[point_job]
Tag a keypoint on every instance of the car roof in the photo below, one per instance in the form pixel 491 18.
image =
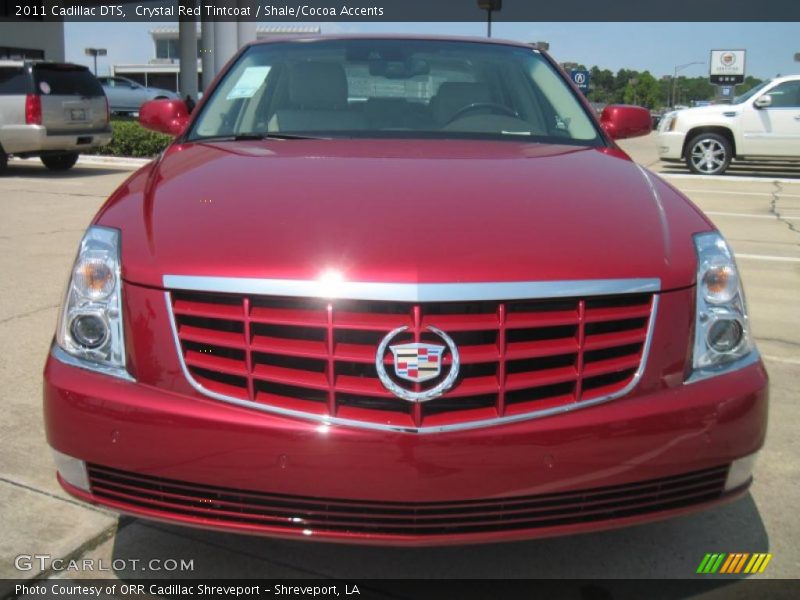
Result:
pixel 37 62
pixel 390 36
pixel 783 78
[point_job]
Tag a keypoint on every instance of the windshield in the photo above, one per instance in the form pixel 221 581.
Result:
pixel 395 88
pixel 750 93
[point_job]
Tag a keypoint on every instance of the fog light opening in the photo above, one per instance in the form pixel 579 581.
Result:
pixel 740 472
pixel 72 470
pixel 89 330
pixel 725 335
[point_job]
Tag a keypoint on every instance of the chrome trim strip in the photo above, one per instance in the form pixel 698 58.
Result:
pixel 741 363
pixel 412 292
pixel 327 421
pixel 62 356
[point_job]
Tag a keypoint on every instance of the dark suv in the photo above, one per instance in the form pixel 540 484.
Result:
pixel 50 110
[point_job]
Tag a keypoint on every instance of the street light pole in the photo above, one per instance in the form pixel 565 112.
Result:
pixel 675 77
pixel 94 53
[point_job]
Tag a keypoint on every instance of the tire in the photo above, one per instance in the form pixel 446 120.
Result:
pixel 708 154
pixel 60 162
pixel 3 161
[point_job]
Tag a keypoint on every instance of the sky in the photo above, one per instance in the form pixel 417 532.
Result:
pixel 657 47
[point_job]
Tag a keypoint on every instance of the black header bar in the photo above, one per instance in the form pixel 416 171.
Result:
pixel 300 11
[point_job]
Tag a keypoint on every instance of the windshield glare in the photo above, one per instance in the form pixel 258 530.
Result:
pixel 395 88
pixel 750 93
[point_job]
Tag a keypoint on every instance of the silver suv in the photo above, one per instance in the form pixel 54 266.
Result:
pixel 50 110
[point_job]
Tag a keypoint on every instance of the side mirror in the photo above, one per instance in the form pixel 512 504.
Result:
pixel 763 101
pixel 622 121
pixel 164 116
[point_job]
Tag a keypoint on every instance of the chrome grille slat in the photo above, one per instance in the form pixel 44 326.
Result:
pixel 533 357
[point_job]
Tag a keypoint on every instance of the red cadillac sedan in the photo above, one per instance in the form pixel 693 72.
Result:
pixel 402 291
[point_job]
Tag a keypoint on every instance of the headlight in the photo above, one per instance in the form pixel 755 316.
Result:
pixel 90 326
pixel 722 331
pixel 668 121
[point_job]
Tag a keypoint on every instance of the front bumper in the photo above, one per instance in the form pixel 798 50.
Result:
pixel 35 139
pixel 670 145
pixel 204 463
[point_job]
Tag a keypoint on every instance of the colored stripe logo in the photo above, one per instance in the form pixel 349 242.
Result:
pixel 731 564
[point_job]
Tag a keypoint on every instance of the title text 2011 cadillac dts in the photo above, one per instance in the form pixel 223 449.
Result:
pixel 402 291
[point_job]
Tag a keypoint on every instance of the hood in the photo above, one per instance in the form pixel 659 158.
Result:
pixel 715 110
pixel 406 211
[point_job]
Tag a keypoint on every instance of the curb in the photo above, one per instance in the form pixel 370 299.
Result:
pixel 90 160
pixel 116 161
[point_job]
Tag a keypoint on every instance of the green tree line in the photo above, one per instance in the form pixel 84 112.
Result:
pixel 629 86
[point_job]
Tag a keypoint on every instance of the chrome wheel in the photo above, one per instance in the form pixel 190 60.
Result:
pixel 708 155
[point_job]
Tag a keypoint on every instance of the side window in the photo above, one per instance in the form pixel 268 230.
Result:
pixel 786 95
pixel 14 81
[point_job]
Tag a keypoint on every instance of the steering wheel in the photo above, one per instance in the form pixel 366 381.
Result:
pixel 493 106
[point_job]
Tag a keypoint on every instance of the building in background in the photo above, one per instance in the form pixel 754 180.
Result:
pixel 163 70
pixel 31 38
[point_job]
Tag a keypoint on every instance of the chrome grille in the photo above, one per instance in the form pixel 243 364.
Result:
pixel 317 358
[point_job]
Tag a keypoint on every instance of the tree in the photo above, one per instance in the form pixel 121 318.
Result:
pixel 644 92
pixel 621 80
pixel 601 82
pixel 606 87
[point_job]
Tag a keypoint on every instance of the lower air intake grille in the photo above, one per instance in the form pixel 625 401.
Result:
pixel 178 499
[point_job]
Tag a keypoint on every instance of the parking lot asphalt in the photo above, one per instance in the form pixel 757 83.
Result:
pixel 44 216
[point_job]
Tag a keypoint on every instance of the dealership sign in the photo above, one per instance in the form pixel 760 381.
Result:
pixel 581 79
pixel 727 67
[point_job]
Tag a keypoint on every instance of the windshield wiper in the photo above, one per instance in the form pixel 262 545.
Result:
pixel 244 137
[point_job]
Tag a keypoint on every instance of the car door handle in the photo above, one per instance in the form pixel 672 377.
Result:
pixel 797 118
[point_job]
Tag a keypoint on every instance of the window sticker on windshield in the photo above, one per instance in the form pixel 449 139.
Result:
pixel 44 87
pixel 249 82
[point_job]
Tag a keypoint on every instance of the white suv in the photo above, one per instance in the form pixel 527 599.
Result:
pixel 764 123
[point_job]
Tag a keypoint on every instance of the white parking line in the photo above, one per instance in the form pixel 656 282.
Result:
pixel 714 213
pixel 45 182
pixel 767 257
pixel 728 178
pixel 788 361
pixel 730 193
